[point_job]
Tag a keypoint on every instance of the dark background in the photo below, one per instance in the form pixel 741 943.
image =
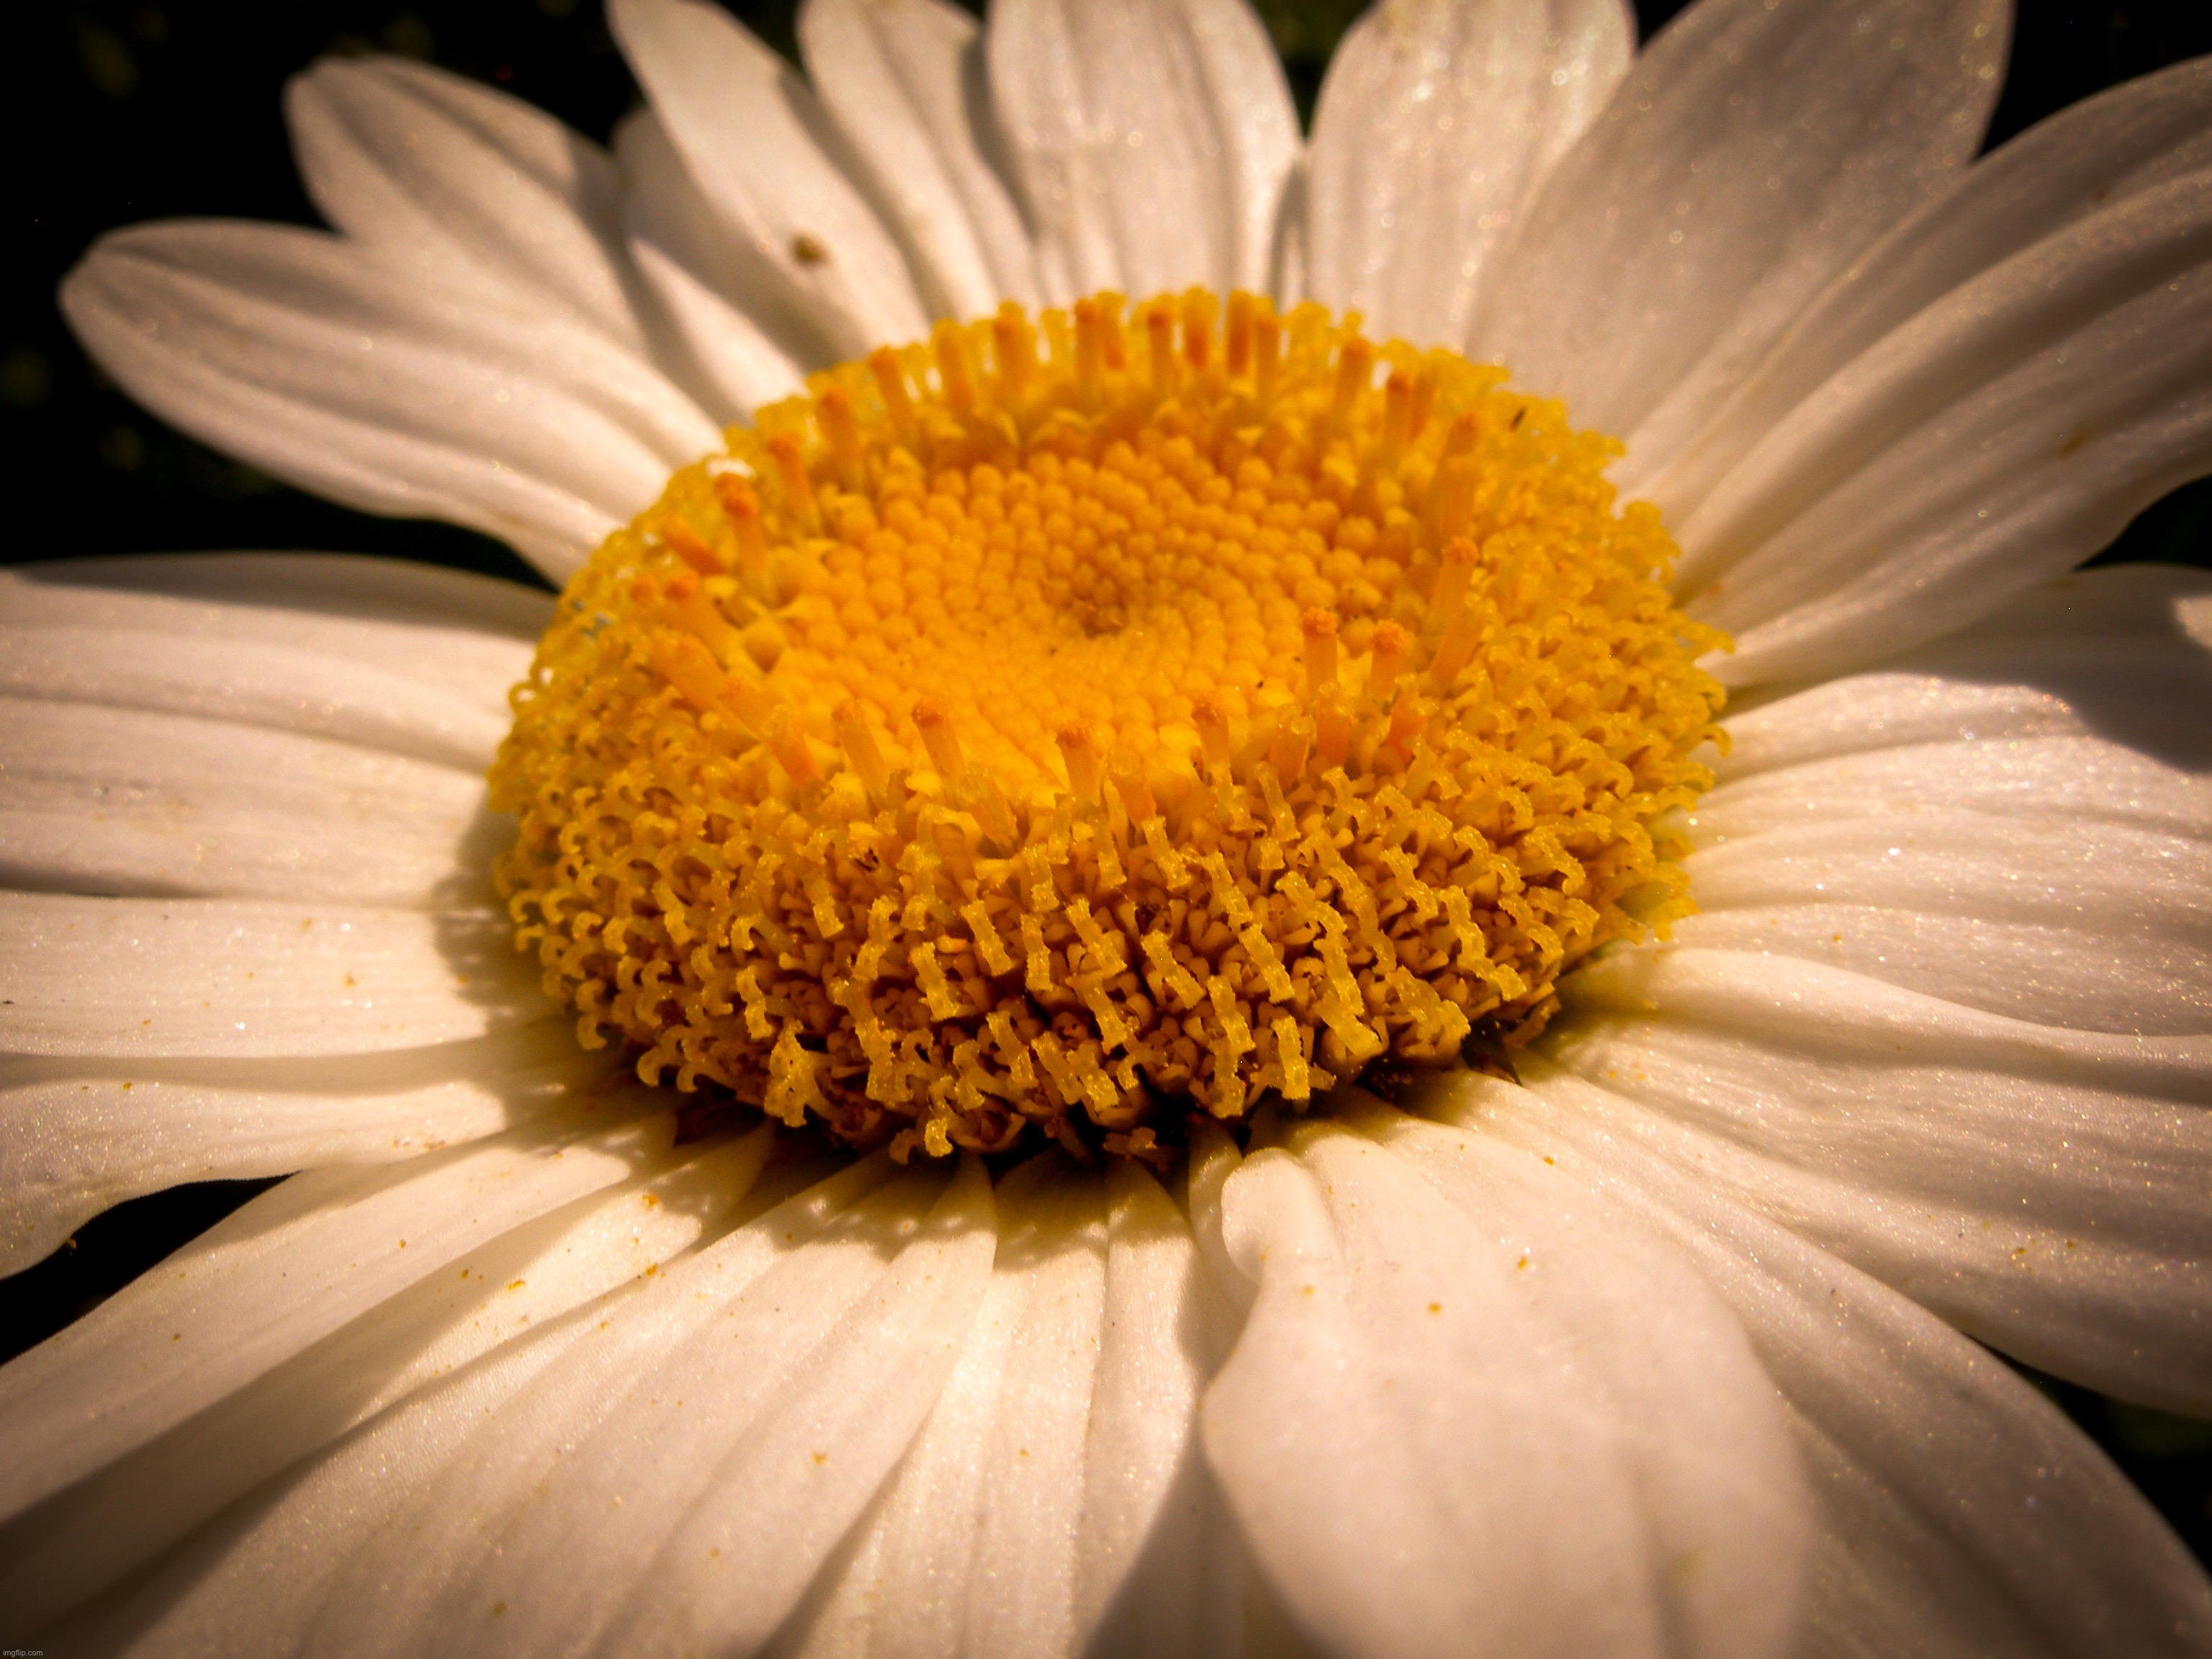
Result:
pixel 117 111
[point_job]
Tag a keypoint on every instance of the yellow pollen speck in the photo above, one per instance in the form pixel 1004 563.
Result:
pixel 1075 722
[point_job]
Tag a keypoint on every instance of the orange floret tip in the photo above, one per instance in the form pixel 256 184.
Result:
pixel 834 410
pixel 1198 329
pixel 1267 353
pixel 850 720
pixel 1078 748
pixel 1398 415
pixel 1159 334
pixel 789 458
pixel 1319 629
pixel 1236 344
pixel 1461 556
pixel 741 506
pixel 1208 713
pixel 689 545
pixel 1392 646
pixel 934 721
pixel 890 386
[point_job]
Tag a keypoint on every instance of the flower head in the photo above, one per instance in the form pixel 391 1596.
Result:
pixel 1034 673
pixel 1028 731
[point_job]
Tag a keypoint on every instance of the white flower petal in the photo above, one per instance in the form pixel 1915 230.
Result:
pixel 2063 921
pixel 282 1273
pixel 700 274
pixel 334 367
pixel 2085 781
pixel 79 1135
pixel 1962 1514
pixel 1288 267
pixel 1640 1323
pixel 1970 831
pixel 1530 1410
pixel 1158 1563
pixel 253 1581
pixel 750 134
pixel 1056 1487
pixel 971 1549
pixel 742 1458
pixel 435 1536
pixel 211 978
pixel 2042 1189
pixel 2100 979
pixel 2002 436
pixel 2123 654
pixel 2080 161
pixel 81 1541
pixel 468 637
pixel 1753 151
pixel 2022 691
pixel 742 370
pixel 1213 1158
pixel 248 684
pixel 790 1490
pixel 902 79
pixel 1437 123
pixel 116 801
pixel 1151 140
pixel 492 190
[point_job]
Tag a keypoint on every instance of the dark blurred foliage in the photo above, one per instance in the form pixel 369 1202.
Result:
pixel 118 111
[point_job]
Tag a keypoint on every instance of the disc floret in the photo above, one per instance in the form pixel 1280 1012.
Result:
pixel 1074 723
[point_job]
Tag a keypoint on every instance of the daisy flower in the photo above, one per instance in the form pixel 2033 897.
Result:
pixel 1365 894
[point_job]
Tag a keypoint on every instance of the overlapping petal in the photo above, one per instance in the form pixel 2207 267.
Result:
pixel 510 1280
pixel 479 187
pixel 108 800
pixel 1752 151
pixel 1054 1501
pixel 756 145
pixel 252 1580
pixel 213 979
pixel 283 1271
pixel 1533 1415
pixel 2041 1186
pixel 78 1135
pixel 700 275
pixel 1960 1513
pixel 267 726
pixel 331 365
pixel 468 635
pixel 743 1414
pixel 903 81
pixel 2002 435
pixel 1945 1009
pixel 2086 158
pixel 1437 126
pixel 1150 142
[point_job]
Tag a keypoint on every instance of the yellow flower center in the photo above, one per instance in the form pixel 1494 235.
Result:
pixel 1069 725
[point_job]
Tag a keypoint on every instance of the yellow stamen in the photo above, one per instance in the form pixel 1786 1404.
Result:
pixel 689 545
pixel 1044 733
pixel 742 506
pixel 1386 660
pixel 1319 628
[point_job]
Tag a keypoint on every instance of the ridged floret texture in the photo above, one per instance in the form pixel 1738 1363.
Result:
pixel 1077 722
